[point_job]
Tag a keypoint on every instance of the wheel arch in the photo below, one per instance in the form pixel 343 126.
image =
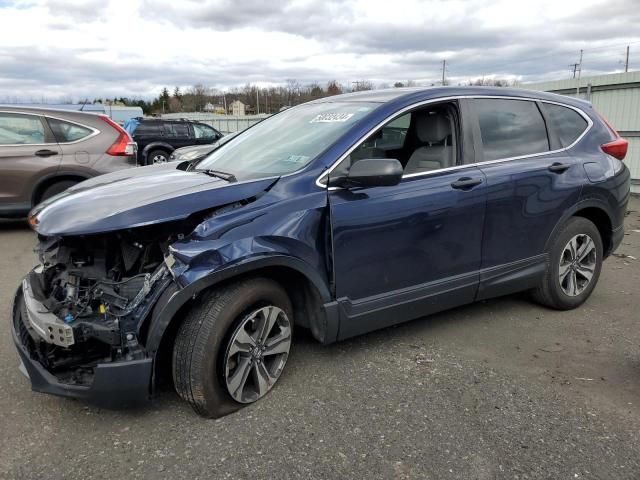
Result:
pixel 602 221
pixel 595 212
pixel 307 291
pixel 47 181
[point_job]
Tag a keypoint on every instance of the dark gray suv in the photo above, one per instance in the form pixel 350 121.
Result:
pixel 43 152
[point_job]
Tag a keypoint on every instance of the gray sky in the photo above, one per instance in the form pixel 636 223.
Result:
pixel 71 49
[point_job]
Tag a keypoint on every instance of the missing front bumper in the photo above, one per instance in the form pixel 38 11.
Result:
pixel 48 327
pixel 114 385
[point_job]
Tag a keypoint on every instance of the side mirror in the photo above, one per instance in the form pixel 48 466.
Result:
pixel 371 172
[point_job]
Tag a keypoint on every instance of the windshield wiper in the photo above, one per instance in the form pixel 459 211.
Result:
pixel 229 177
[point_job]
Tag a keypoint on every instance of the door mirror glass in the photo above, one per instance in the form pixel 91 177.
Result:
pixel 371 172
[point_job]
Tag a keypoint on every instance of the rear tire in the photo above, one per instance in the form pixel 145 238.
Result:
pixel 204 342
pixel 157 156
pixel 55 189
pixel 575 261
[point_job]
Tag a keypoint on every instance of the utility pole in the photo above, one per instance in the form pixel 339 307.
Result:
pixel 257 102
pixel 575 68
pixel 444 69
pixel 579 75
pixel 626 62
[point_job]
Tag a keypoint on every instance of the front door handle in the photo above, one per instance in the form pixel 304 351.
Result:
pixel 466 183
pixel 46 153
pixel 558 167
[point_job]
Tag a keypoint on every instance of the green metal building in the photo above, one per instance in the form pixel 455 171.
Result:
pixel 617 97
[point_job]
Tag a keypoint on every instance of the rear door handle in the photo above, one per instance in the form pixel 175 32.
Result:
pixel 466 183
pixel 46 153
pixel 558 167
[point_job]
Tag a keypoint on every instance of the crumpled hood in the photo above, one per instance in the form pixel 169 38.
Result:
pixel 136 197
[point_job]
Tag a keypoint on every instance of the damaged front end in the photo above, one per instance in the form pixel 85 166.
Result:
pixel 78 316
pixel 82 317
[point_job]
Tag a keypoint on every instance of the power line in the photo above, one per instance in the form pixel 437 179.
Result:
pixel 564 54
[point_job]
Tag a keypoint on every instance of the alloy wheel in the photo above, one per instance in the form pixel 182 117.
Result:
pixel 577 265
pixel 257 353
pixel 159 159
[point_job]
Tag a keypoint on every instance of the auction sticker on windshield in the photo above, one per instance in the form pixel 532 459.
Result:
pixel 331 117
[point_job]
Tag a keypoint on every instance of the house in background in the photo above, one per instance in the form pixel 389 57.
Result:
pixel 214 108
pixel 238 108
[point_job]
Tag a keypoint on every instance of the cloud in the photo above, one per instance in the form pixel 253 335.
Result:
pixel 96 48
pixel 78 10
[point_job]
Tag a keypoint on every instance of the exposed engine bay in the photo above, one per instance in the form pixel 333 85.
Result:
pixel 96 291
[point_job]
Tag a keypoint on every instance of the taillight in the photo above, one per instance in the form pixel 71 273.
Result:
pixel 124 145
pixel 617 148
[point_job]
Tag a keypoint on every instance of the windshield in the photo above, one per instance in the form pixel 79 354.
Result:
pixel 285 142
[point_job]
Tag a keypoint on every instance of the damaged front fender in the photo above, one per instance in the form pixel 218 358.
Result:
pixel 288 235
pixel 176 297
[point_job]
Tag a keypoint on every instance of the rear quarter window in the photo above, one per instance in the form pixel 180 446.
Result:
pixel 510 128
pixel 566 122
pixel 148 129
pixel 66 131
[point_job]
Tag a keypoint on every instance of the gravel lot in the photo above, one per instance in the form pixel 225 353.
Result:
pixel 499 389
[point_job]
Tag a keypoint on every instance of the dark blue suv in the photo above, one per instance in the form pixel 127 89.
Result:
pixel 342 216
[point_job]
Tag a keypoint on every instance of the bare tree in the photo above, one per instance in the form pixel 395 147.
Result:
pixel 293 91
pixel 490 82
pixel 175 105
pixel 360 85
pixel 198 94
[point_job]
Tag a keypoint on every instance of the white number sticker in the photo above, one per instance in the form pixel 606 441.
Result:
pixel 332 117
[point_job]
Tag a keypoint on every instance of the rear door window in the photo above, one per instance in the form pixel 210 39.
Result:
pixel 175 129
pixel 566 122
pixel 66 132
pixel 20 129
pixel 510 128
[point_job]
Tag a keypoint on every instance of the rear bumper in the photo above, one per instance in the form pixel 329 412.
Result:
pixel 114 385
pixel 109 163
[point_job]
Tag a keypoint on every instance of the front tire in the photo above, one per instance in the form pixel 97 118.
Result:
pixel 575 261
pixel 232 346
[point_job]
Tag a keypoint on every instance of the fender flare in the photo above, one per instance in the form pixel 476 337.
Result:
pixel 174 298
pixel 570 212
pixel 158 145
